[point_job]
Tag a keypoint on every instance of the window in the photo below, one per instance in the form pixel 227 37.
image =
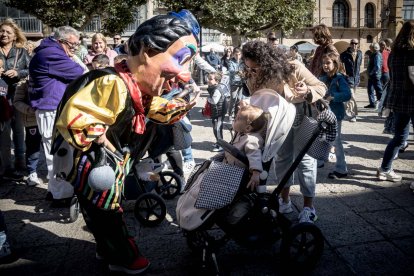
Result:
pixel 340 14
pixel 369 39
pixel 408 10
pixel 369 16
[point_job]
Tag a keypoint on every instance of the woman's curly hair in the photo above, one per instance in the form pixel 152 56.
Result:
pixel 273 62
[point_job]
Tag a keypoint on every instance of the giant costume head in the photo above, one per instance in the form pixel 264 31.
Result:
pixel 160 51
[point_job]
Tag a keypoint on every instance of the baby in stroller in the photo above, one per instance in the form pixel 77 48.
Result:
pixel 217 194
pixel 250 126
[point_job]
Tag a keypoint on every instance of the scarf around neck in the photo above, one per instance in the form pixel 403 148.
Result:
pixel 136 95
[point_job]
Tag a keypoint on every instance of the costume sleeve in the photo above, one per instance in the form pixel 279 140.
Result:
pixel 166 112
pixel 88 113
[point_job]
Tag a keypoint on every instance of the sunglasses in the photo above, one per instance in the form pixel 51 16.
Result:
pixel 272 38
pixel 117 38
pixel 71 45
pixel 354 43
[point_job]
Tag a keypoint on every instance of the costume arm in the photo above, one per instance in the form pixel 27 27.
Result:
pixel 204 65
pixel 166 112
pixel 89 112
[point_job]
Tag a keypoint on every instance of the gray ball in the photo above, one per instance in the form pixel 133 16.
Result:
pixel 101 178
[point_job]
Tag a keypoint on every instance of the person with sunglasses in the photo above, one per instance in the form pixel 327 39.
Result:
pixel 51 69
pixel 272 39
pixel 274 80
pixel 352 59
pixel 118 45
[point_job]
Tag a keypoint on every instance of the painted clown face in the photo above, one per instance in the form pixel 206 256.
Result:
pixel 162 71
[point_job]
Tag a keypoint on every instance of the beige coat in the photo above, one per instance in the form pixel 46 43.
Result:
pixel 21 103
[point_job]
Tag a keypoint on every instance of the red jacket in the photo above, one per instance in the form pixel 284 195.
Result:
pixel 385 55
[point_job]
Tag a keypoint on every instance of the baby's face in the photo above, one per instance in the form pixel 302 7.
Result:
pixel 240 123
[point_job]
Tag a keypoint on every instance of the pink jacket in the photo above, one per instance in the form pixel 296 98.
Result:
pixel 110 53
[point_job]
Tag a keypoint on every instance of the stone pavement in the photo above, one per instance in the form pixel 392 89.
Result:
pixel 368 225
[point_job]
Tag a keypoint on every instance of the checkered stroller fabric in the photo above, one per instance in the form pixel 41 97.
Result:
pixel 322 145
pixel 219 186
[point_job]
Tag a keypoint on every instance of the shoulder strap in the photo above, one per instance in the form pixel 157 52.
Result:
pixel 16 58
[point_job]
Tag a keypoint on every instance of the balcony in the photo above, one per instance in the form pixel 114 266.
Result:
pixel 370 23
pixel 31 26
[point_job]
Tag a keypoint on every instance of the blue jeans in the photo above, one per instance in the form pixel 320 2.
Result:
pixel 187 154
pixel 402 129
pixel 385 77
pixel 374 83
pixel 339 152
pixel 306 171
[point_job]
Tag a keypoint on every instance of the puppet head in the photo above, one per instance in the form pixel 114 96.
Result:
pixel 160 51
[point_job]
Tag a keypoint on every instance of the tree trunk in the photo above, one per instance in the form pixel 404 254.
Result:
pixel 237 40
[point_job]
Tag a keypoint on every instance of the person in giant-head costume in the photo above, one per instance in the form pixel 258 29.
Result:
pixel 102 117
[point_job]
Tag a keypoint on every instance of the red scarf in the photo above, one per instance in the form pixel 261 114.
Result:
pixel 136 95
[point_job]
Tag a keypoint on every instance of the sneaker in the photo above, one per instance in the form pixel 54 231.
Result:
pixel 370 106
pixel 12 175
pixel 308 215
pixel 390 175
pixel 412 186
pixel 336 175
pixel 33 180
pixel 188 166
pixel 138 266
pixel 285 208
pixel 353 119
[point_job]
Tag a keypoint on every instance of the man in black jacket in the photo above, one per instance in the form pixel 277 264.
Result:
pixel 352 58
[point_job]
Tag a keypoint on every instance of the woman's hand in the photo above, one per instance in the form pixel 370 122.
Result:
pixel 11 73
pixel 254 180
pixel 301 89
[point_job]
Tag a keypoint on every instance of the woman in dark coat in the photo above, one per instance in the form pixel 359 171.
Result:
pixel 400 98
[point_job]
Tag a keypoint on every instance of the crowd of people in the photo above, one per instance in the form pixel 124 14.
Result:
pixel 55 100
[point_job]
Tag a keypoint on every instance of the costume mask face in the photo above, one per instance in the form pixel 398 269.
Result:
pixel 163 71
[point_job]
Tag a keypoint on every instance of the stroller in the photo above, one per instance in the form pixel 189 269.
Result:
pixel 150 208
pixel 252 219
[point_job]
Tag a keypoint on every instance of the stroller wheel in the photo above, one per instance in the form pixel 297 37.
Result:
pixel 302 246
pixel 169 185
pixel 74 209
pixel 150 209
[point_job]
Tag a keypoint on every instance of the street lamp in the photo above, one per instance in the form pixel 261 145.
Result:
pixel 387 11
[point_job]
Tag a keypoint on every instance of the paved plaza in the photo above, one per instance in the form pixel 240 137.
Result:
pixel 368 225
